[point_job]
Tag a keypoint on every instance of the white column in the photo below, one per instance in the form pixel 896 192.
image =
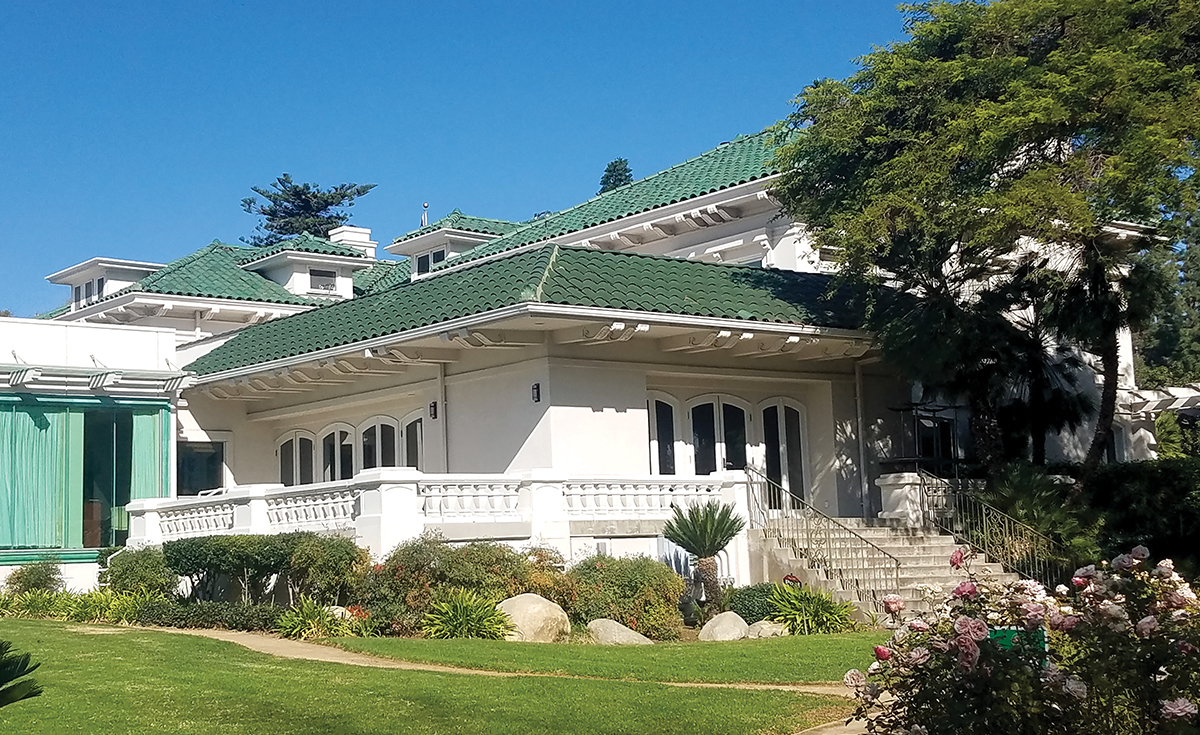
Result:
pixel 390 509
pixel 144 523
pixel 543 501
pixel 735 490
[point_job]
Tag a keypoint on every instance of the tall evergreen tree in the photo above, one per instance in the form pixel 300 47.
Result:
pixel 616 173
pixel 1004 138
pixel 288 209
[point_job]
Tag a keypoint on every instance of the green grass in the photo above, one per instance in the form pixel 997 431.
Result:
pixel 768 661
pixel 138 681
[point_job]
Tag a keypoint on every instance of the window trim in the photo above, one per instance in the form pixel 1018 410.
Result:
pixel 319 451
pixel 402 438
pixel 681 445
pixel 374 421
pixel 312 286
pixel 805 459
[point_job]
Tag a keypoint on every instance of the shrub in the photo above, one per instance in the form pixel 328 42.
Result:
pixel 805 610
pixel 326 568
pixel 140 571
pixel 309 620
pixel 1155 504
pixel 40 575
pixel 490 569
pixel 1122 657
pixel 637 592
pixel 92 607
pixel 466 614
pixel 36 603
pixel 398 592
pixel 206 614
pixel 547 577
pixel 1038 500
pixel 126 607
pixel 752 603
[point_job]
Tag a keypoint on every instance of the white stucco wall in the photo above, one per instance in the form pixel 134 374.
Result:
pixel 494 424
pixel 73 344
pixel 598 419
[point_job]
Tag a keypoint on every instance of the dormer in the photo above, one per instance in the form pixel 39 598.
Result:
pixel 314 267
pixel 452 235
pixel 94 279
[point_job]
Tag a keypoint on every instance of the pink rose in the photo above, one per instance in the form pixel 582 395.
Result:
pixel 920 626
pixel 1175 600
pixel 1075 687
pixel 883 653
pixel 973 628
pixel 1123 563
pixel 1062 623
pixel 1185 647
pixel 854 679
pixel 939 645
pixel 1079 581
pixel 1088 573
pixel 1177 709
pixel 968 651
pixel 918 656
pixel 893 604
pixel 1140 553
pixel 1033 613
pixel 956 559
pixel 1147 626
pixel 1165 569
pixel 965 588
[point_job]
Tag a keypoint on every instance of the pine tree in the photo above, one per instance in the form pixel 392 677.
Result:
pixel 290 209
pixel 616 174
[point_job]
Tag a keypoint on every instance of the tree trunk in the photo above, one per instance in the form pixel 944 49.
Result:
pixel 1110 370
pixel 710 579
pixel 985 430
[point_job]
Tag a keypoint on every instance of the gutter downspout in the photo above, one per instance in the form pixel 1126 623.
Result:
pixel 441 399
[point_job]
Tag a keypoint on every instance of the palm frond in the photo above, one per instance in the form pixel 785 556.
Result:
pixel 703 530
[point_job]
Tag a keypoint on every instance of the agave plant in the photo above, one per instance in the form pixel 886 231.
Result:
pixel 14 667
pixel 703 531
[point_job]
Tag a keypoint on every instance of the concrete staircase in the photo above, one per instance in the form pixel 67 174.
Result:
pixel 924 558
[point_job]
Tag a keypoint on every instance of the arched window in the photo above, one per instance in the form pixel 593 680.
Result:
pixel 295 452
pixel 337 453
pixel 720 433
pixel 783 444
pixel 412 443
pixel 378 443
pixel 662 412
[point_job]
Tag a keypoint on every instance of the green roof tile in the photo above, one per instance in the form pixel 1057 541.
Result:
pixel 456 220
pixel 214 271
pixel 302 243
pixel 551 275
pixel 743 159
pixel 381 276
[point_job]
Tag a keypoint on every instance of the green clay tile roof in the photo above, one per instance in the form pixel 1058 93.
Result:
pixel 302 243
pixel 743 159
pixel 381 276
pixel 550 275
pixel 54 312
pixel 214 271
pixel 456 220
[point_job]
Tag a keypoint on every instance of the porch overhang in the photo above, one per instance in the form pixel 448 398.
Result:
pixel 77 381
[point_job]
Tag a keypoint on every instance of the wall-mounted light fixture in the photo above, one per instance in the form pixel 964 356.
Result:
pixel 537 392
pixel 433 410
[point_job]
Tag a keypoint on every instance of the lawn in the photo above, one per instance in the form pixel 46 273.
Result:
pixel 127 681
pixel 768 661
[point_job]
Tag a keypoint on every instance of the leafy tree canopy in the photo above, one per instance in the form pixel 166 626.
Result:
pixel 976 169
pixel 616 173
pixel 289 209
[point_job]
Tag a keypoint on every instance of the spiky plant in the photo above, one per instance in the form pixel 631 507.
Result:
pixel 14 666
pixel 703 531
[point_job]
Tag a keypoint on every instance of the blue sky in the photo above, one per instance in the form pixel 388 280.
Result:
pixel 134 130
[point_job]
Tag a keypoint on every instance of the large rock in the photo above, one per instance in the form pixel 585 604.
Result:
pixel 537 619
pixel 767 629
pixel 728 626
pixel 611 633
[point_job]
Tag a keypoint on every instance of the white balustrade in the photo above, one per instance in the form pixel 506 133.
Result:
pixel 635 498
pixel 300 510
pixel 196 519
pixel 470 499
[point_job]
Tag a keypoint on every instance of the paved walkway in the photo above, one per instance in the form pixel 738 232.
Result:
pixel 285 648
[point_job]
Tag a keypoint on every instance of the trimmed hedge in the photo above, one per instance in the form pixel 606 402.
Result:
pixel 752 603
pixel 139 570
pixel 638 592
pixel 204 614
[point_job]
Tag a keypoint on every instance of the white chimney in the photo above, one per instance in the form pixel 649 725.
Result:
pixel 358 238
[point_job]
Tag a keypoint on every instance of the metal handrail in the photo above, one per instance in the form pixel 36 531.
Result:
pixel 1015 545
pixel 861 568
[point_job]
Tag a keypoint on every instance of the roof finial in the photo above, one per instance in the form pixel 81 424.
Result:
pixel 425 214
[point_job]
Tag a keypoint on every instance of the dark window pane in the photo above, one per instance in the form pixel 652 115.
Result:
pixel 423 264
pixel 319 280
pixel 306 461
pixel 704 438
pixel 369 444
pixel 99 287
pixel 345 456
pixel 329 457
pixel 412 444
pixel 387 445
pixel 437 256
pixel 795 457
pixel 735 437
pixel 664 423
pixel 287 468
pixel 201 467
pixel 774 458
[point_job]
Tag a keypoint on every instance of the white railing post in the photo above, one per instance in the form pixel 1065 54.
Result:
pixel 145 528
pixel 735 490
pixel 543 500
pixel 249 509
pixel 389 509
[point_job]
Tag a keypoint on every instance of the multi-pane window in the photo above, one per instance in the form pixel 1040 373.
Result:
pixel 321 280
pixel 379 442
pixel 337 455
pixel 426 261
pixel 296 459
pixel 200 466
pixel 718 436
pixel 784 458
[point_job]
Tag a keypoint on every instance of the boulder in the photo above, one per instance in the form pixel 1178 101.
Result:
pixel 611 633
pixel 767 629
pixel 537 619
pixel 728 626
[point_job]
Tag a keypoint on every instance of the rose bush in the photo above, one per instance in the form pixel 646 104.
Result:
pixel 1116 651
